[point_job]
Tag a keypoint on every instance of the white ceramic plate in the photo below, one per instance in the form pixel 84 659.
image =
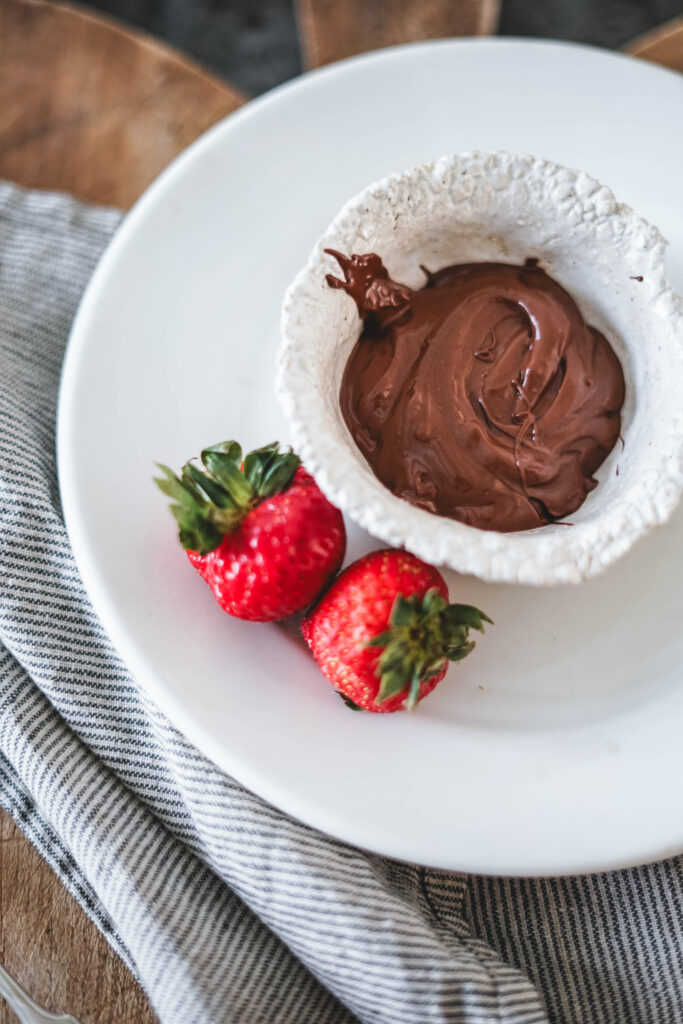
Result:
pixel 556 747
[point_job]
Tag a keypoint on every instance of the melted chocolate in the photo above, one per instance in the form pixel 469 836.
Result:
pixel 483 396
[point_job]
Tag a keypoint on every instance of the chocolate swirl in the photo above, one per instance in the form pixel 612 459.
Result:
pixel 483 396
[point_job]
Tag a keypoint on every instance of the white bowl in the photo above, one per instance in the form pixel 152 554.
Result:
pixel 501 207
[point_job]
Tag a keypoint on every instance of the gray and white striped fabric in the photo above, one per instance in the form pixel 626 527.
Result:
pixel 227 910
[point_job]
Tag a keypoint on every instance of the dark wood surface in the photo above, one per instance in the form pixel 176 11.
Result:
pixel 254 45
pixel 97 110
pixel 330 30
pixel 92 108
pixel 49 945
pixel 661 46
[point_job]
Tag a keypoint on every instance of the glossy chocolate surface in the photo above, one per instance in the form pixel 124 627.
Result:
pixel 483 396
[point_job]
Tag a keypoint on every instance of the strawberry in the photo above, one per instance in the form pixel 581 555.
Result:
pixel 260 531
pixel 384 632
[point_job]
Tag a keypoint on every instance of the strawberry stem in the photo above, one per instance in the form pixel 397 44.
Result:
pixel 424 633
pixel 212 501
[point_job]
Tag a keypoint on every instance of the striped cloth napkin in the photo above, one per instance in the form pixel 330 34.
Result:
pixel 224 908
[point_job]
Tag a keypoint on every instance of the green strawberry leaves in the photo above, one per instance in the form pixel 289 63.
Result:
pixel 230 448
pixel 190 508
pixel 210 502
pixel 222 468
pixel 269 471
pixel 424 633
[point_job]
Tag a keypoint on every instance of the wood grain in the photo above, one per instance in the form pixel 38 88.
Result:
pixel 332 29
pixel 49 945
pixel 91 108
pixel 663 45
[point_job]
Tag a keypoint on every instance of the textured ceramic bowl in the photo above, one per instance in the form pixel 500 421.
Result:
pixel 501 207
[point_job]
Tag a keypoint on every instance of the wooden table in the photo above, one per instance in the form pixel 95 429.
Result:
pixel 89 107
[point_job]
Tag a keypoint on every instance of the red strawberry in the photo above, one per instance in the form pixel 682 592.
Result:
pixel 261 532
pixel 384 632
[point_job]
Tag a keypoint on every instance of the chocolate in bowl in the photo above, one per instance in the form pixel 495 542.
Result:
pixel 483 396
pixel 499 208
